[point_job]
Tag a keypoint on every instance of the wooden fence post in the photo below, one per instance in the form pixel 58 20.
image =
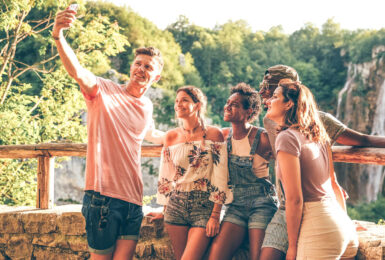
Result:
pixel 45 182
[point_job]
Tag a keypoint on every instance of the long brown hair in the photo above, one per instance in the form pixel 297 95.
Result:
pixel 303 115
pixel 198 97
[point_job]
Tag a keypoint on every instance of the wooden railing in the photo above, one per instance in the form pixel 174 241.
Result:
pixel 46 153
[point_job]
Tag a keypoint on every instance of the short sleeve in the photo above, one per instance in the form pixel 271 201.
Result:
pixel 271 129
pixel 332 125
pixel 166 175
pixel 219 188
pixel 100 84
pixel 287 141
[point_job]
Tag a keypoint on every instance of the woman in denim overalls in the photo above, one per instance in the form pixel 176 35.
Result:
pixel 255 200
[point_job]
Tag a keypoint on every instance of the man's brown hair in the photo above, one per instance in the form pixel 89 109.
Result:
pixel 151 51
pixel 272 77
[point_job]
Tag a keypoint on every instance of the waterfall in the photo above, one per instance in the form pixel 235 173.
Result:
pixel 377 171
pixel 346 87
pixel 379 116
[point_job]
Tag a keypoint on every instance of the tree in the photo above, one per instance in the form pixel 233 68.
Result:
pixel 39 102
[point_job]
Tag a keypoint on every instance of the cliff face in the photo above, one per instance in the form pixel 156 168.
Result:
pixel 361 106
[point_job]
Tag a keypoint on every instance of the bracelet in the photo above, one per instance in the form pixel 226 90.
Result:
pixel 216 218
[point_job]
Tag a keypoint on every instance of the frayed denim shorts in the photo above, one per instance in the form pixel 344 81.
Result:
pixel 191 208
pixel 109 219
pixel 253 206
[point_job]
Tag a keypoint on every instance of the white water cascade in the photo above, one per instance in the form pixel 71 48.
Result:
pixel 347 87
pixel 377 171
pixel 361 106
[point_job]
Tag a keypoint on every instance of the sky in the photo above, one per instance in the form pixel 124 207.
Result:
pixel 262 15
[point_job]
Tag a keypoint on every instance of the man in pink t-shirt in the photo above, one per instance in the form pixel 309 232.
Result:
pixel 119 118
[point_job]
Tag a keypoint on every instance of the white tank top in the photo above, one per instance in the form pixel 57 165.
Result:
pixel 242 148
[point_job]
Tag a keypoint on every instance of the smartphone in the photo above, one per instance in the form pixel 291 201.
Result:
pixel 73 7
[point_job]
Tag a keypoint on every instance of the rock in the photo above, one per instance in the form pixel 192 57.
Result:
pixel 11 223
pixel 163 251
pixel 4 238
pixel 51 240
pixel 39 223
pixel 147 232
pixel 57 254
pixel 361 107
pixel 71 223
pixel 144 250
pixel 19 246
pixel 78 243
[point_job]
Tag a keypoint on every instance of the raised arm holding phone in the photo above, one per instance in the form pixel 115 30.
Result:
pixel 119 117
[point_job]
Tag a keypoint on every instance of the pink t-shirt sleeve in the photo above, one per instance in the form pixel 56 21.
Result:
pixel 288 142
pixel 88 97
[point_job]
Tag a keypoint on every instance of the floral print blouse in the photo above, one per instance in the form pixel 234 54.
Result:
pixel 189 166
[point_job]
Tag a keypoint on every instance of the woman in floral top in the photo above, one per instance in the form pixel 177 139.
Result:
pixel 193 177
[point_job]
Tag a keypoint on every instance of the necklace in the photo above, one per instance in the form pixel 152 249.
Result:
pixel 192 132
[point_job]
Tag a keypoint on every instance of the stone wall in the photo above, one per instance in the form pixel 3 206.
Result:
pixel 29 233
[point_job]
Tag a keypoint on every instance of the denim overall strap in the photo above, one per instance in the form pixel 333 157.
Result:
pixel 254 146
pixel 229 147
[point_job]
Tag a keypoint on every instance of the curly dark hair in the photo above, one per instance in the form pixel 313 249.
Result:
pixel 250 99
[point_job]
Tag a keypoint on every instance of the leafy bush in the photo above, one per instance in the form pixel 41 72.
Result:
pixel 374 211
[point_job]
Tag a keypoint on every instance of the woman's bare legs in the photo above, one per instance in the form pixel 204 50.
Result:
pixel 178 236
pixel 188 243
pixel 197 243
pixel 227 242
pixel 255 241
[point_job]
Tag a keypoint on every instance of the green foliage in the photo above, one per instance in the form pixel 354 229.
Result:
pixel 374 211
pixel 361 43
pixel 148 199
pixel 39 102
pixel 17 182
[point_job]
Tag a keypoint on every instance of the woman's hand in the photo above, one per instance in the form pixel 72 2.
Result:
pixel 155 215
pixel 291 253
pixel 212 227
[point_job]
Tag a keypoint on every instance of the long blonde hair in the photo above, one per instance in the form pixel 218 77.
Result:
pixel 303 115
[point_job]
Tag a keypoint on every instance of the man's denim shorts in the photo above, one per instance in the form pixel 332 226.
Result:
pixel 276 233
pixel 109 219
pixel 191 208
pixel 253 206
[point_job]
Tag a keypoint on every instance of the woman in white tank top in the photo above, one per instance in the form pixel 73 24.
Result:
pixel 254 197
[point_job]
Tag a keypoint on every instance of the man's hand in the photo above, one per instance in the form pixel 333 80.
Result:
pixel 64 20
pixel 155 136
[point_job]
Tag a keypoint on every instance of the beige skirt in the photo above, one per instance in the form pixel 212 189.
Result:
pixel 326 232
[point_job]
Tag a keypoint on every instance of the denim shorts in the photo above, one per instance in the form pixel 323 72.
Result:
pixel 109 219
pixel 253 206
pixel 276 233
pixel 191 208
